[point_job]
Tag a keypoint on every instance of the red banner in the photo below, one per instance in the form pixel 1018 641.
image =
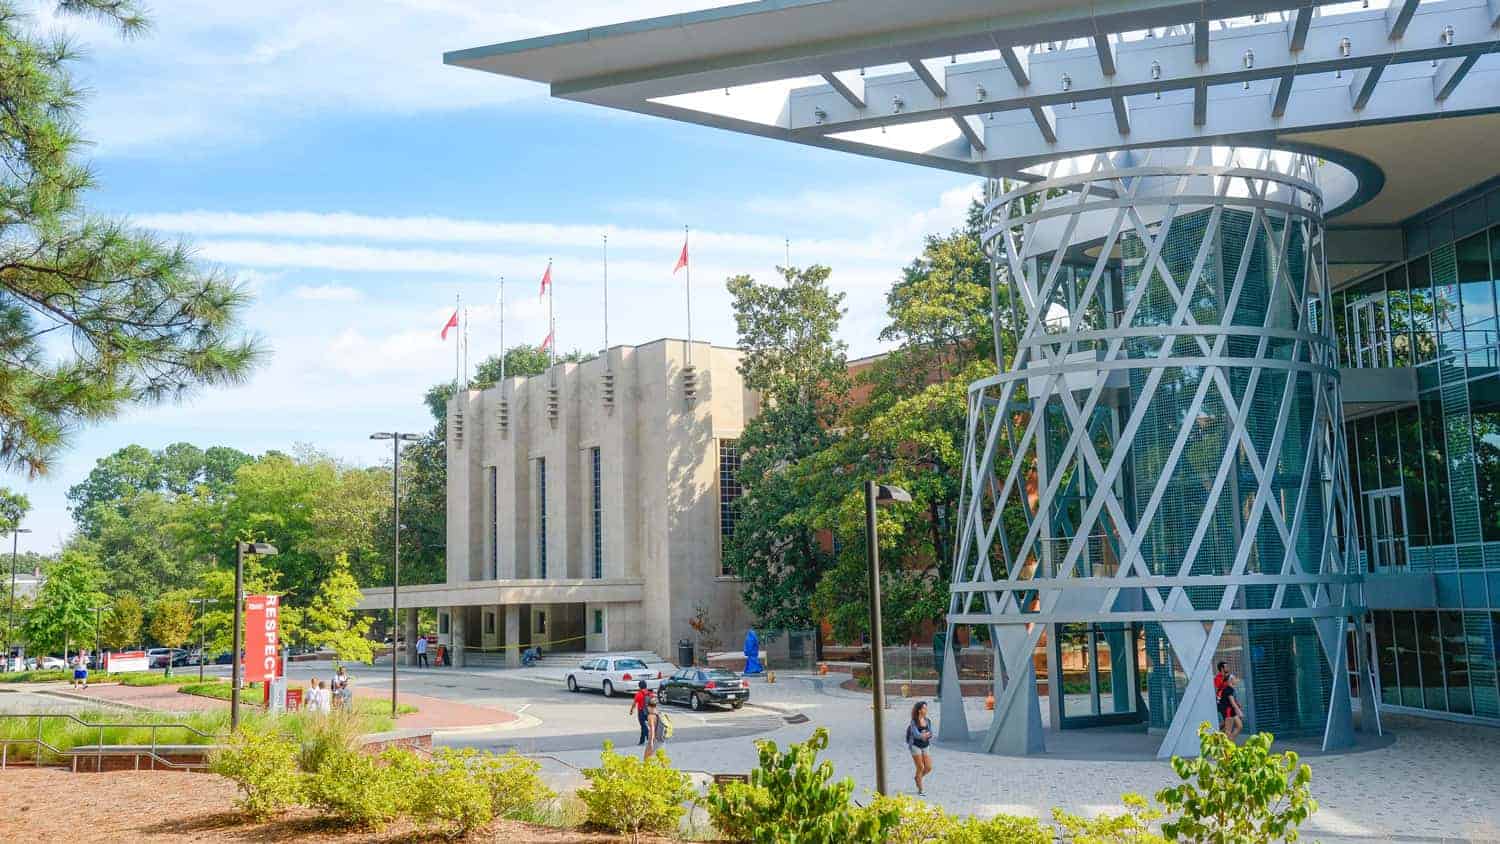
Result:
pixel 262 638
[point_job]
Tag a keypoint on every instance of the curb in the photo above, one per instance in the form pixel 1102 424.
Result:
pixel 135 707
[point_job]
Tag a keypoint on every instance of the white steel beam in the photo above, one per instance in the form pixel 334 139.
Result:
pixel 1362 86
pixel 1398 17
pixel 1046 121
pixel 1122 114
pixel 1449 73
pixel 931 81
pixel 1299 27
pixel 1151 66
pixel 845 90
pixel 973 135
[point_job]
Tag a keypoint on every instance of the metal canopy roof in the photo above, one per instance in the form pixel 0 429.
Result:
pixel 989 88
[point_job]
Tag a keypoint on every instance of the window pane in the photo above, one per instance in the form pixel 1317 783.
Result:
pixel 1409 429
pixel 1398 316
pixel 1476 291
pixel 1484 404
pixel 1385 649
pixel 1435 458
pixel 541 517
pixel 598 507
pixel 1430 656
pixel 1456 663
pixel 1445 301
pixel 1405 629
pixel 1484 638
pixel 729 492
pixel 1390 457
pixel 1419 280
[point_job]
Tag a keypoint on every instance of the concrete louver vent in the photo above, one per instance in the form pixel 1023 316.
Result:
pixel 607 390
pixel 553 405
pixel 502 417
pixel 458 428
pixel 690 383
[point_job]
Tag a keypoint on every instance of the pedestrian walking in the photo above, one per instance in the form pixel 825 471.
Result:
pixel 1233 717
pixel 80 670
pixel 638 708
pixel 422 652
pixel 918 737
pixel 342 694
pixel 658 727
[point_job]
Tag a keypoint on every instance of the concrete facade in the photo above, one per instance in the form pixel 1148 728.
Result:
pixel 523 453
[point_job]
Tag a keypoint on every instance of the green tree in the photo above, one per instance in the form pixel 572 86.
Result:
pixel 795 361
pixel 172 620
pixel 13 509
pixel 330 619
pixel 63 614
pixel 179 469
pixel 143 541
pixel 122 627
pixel 1235 793
pixel 138 320
pixel 217 585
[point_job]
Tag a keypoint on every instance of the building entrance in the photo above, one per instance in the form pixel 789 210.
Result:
pixel 1098 671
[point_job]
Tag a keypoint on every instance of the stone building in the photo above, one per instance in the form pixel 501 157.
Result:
pixel 587 506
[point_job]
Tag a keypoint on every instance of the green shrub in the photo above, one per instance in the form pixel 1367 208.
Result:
pixel 365 791
pixel 1132 827
pixel 514 785
pixel 321 737
pixel 1239 793
pixel 263 764
pixel 45 676
pixel 924 823
pixel 790 799
pixel 629 795
pixel 449 795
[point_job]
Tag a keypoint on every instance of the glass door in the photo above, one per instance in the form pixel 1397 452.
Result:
pixel 1387 529
pixel 1369 341
pixel 1098 663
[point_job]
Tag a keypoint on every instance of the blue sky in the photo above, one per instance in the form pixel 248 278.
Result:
pixel 322 153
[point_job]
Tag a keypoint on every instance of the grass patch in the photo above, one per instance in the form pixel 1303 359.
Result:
pixel 146 678
pixel 363 706
pixel 48 676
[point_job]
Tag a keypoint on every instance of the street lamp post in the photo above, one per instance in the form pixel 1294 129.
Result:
pixel 396 438
pixel 202 652
pixel 877 494
pixel 10 620
pixel 99 638
pixel 264 549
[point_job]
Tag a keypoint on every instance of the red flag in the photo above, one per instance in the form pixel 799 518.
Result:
pixel 682 259
pixel 546 343
pixel 452 323
pixel 546 280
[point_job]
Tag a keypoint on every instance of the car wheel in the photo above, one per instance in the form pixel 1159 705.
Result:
pixel 609 689
pixel 696 702
pixel 572 683
pixel 736 706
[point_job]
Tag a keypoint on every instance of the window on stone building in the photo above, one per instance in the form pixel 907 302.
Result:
pixel 494 511
pixel 598 621
pixel 489 623
pixel 541 516
pixel 598 508
pixel 729 490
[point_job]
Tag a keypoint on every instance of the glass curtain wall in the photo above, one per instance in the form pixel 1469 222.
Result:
pixel 1428 477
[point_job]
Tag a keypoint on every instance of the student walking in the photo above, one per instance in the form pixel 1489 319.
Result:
pixel 638 708
pixel 918 737
pixel 657 728
pixel 80 670
pixel 1231 715
pixel 341 693
pixel 422 652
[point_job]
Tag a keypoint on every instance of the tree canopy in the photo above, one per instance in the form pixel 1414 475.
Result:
pixel 95 315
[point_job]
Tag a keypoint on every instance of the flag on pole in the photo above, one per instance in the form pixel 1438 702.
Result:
pixel 450 324
pixel 546 280
pixel 682 260
pixel 547 343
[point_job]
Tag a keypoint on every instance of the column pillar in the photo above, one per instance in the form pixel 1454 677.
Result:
pixel 512 616
pixel 410 626
pixel 456 626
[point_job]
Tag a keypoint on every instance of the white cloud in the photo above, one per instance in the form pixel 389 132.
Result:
pixel 216 73
pixel 327 293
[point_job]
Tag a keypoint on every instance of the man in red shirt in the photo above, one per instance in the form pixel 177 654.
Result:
pixel 638 708
pixel 1221 678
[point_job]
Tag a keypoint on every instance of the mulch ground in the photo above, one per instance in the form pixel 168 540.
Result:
pixel 176 806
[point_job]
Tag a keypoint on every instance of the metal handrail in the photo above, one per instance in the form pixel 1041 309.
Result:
pixel 41 743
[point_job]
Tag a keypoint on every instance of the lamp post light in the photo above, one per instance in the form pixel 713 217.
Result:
pixel 98 638
pixel 202 652
pixel 10 620
pixel 396 438
pixel 263 549
pixel 876 494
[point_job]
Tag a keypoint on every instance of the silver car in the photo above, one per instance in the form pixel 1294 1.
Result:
pixel 610 674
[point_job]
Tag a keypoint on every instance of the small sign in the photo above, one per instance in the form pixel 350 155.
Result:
pixel 126 661
pixel 293 700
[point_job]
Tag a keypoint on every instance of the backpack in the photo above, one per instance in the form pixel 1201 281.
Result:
pixel 663 726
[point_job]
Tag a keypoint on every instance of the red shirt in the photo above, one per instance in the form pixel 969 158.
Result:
pixel 1219 681
pixel 640 700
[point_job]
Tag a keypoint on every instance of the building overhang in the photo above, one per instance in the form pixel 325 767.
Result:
pixel 479 593
pixel 993 89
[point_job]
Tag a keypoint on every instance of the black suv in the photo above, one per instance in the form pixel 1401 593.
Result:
pixel 699 686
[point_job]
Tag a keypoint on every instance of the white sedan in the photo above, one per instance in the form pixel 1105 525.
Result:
pixel 611 674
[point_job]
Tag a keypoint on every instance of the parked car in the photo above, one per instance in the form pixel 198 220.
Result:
pixel 49 663
pixel 698 687
pixel 159 657
pixel 610 674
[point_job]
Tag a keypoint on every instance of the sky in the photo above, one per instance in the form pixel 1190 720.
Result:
pixel 324 155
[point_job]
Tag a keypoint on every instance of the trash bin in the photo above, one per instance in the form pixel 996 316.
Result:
pixel 684 653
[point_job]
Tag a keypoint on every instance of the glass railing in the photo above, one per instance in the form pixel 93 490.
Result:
pixel 1474 347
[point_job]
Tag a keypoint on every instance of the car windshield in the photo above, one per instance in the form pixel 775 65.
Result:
pixel 722 674
pixel 622 664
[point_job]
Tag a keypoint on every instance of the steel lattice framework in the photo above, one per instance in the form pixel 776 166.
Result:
pixel 1166 446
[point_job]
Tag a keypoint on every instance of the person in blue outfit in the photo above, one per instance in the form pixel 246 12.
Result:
pixel 752 653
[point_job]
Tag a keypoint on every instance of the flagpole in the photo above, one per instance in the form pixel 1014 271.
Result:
pixel 458 304
pixel 467 380
pixel 689 269
pixel 606 295
pixel 551 320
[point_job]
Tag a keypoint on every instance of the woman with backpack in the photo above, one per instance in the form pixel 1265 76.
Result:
pixel 918 737
pixel 658 728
